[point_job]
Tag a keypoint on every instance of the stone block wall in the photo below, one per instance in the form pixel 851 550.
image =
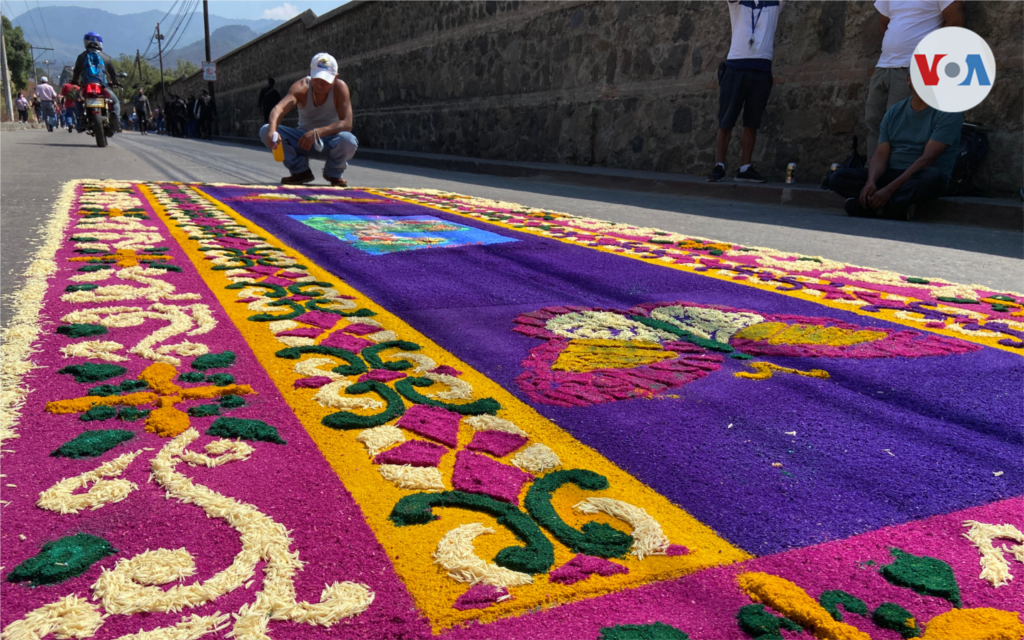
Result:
pixel 618 84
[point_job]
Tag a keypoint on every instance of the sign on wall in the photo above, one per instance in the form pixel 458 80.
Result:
pixel 210 71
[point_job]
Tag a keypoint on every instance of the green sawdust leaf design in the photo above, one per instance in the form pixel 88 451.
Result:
pixel 81 330
pixel 407 387
pixel 762 625
pixel 536 557
pixel 890 615
pixel 924 575
pixel 91 444
pixel 830 601
pixel 394 408
pixel 596 538
pixel 89 372
pixel 60 560
pixel 99 412
pixel 655 631
pixel 245 429
pixel 354 366
pixel 220 360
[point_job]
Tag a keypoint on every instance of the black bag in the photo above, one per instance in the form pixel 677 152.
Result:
pixel 973 149
pixel 855 161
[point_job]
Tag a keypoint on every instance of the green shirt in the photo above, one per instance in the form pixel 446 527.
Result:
pixel 908 132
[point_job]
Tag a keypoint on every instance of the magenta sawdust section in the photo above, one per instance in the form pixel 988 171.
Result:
pixel 159 481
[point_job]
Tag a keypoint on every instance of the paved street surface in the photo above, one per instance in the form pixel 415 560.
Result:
pixel 35 164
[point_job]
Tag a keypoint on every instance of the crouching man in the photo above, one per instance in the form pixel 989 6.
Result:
pixel 325 125
pixel 917 147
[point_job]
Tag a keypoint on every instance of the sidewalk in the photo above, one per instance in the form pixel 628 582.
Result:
pixel 996 213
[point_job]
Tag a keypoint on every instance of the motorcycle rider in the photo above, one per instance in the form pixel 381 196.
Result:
pixel 94 66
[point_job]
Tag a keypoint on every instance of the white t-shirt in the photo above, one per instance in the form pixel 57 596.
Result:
pixel 757 21
pixel 909 22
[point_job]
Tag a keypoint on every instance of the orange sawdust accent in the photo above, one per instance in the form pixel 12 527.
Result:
pixel 764 370
pixel 124 257
pixel 700 246
pixel 977 624
pixel 586 355
pixel 165 420
pixel 793 602
pixel 797 334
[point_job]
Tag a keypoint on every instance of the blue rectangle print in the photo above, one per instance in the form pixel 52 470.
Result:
pixel 379 235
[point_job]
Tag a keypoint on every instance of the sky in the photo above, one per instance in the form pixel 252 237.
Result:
pixel 246 9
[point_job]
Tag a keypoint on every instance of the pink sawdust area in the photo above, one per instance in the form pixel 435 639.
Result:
pixel 290 482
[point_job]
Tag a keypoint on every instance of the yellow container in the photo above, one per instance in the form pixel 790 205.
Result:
pixel 279 151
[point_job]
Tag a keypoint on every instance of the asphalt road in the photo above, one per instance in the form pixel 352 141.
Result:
pixel 35 163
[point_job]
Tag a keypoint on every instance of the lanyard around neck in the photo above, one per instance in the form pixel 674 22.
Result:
pixel 754 20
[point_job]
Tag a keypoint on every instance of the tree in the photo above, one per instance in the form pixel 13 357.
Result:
pixel 183 69
pixel 19 55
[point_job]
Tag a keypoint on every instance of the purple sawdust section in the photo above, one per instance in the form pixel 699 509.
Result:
pixel 475 473
pixel 416 453
pixel 432 422
pixel 292 484
pixel 480 596
pixel 497 443
pixel 881 442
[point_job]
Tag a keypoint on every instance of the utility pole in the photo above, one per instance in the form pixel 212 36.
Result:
pixel 8 108
pixel 160 52
pixel 35 74
pixel 206 29
pixel 138 64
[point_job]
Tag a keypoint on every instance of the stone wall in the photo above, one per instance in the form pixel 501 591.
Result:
pixel 618 84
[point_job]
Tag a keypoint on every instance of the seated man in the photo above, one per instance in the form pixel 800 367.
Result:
pixel 917 147
pixel 325 125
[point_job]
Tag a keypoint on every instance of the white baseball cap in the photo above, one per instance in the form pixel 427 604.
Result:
pixel 44 80
pixel 324 67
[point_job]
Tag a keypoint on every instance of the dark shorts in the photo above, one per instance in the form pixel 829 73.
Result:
pixel 744 90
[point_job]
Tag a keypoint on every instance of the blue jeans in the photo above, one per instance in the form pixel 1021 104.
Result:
pixel 49 115
pixel 338 150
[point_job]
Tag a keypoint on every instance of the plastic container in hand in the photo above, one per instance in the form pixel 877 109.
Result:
pixel 279 149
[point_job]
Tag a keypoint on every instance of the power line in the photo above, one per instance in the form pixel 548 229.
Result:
pixel 35 27
pixel 173 31
pixel 49 42
pixel 195 6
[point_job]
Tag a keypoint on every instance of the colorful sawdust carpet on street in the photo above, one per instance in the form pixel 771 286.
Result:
pixel 295 413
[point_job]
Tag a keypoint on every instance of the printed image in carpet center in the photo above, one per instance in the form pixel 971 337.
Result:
pixel 379 235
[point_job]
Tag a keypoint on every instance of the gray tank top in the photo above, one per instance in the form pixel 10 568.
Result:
pixel 312 116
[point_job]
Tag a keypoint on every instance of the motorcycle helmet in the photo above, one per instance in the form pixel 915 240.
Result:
pixel 93 40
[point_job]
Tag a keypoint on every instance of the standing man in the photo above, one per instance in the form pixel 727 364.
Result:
pixel 913 162
pixel 206 111
pixel 269 97
pixel 47 96
pixel 142 111
pixel 69 93
pixel 903 24
pixel 325 124
pixel 745 81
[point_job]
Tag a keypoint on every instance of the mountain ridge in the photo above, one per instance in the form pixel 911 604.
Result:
pixel 125 33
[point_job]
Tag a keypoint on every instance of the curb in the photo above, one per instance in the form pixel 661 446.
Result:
pixel 993 213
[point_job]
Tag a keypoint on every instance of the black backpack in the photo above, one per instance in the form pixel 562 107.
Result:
pixel 973 149
pixel 855 161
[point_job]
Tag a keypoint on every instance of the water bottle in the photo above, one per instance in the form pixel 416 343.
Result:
pixel 279 149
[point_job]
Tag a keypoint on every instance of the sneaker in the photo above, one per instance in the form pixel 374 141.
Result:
pixel 336 182
pixel 854 209
pixel 299 178
pixel 717 173
pixel 750 175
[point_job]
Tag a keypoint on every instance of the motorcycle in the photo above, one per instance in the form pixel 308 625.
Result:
pixel 98 115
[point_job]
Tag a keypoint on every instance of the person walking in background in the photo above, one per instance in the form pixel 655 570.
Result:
pixel 206 111
pixel 47 96
pixel 69 93
pixel 191 118
pixel 21 104
pixel 142 111
pixel 903 24
pixel 745 81
pixel 37 108
pixel 158 120
pixel 914 159
pixel 269 97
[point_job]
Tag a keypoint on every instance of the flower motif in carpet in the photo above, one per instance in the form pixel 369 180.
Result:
pixel 593 355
